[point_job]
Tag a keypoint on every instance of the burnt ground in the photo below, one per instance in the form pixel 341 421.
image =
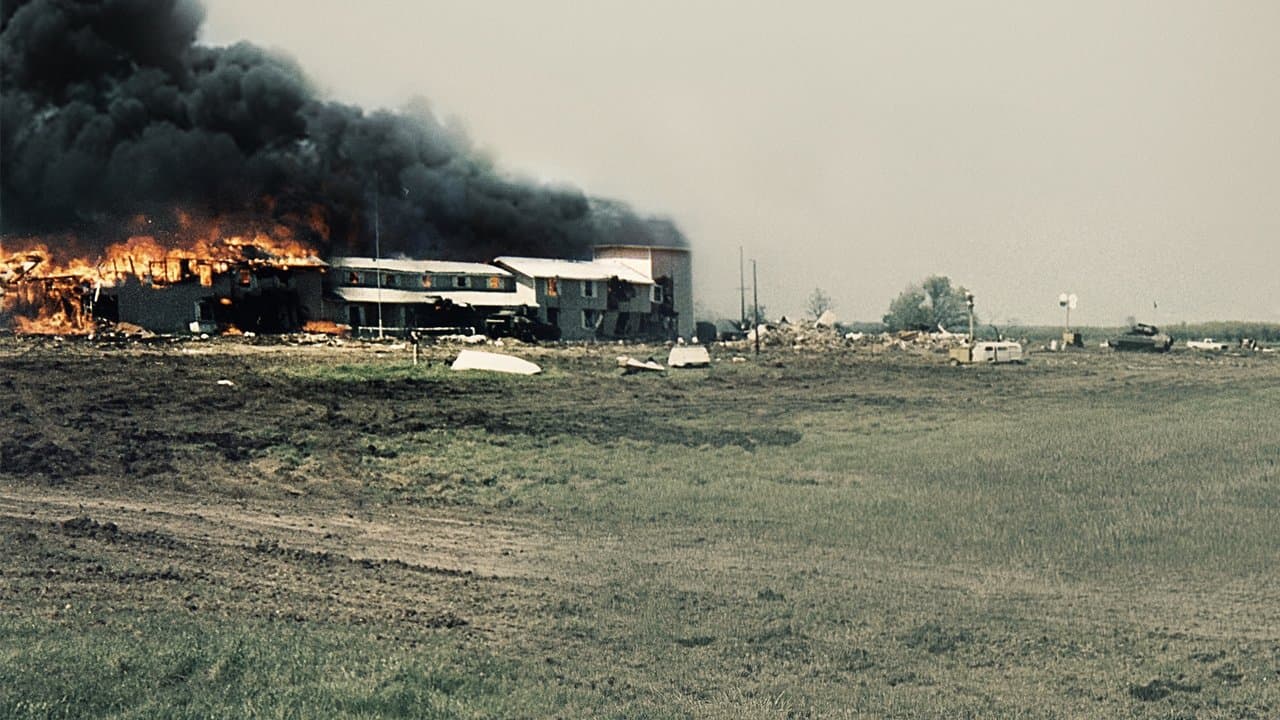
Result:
pixel 138 415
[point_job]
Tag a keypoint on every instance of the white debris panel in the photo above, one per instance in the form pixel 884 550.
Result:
pixel 494 362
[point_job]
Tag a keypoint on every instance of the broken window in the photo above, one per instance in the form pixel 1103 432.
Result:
pixel 588 288
pixel 461 281
pixel 495 283
pixel 590 318
pixel 426 281
pixel 391 280
pixel 353 278
pixel 553 287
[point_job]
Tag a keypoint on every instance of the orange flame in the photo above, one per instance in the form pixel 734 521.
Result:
pixel 48 291
pixel 326 327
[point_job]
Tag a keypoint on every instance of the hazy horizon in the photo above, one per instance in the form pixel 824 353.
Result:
pixel 1125 152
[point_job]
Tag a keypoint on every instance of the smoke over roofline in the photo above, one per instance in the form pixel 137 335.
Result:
pixel 112 111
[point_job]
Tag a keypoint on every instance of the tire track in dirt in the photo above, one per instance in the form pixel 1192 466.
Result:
pixel 476 547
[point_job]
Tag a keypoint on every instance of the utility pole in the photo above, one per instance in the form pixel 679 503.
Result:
pixel 742 292
pixel 755 302
pixel 377 254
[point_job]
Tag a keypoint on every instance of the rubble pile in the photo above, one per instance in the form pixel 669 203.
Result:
pixel 818 337
pixel 911 341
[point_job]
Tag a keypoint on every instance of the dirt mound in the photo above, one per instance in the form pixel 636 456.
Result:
pixel 85 526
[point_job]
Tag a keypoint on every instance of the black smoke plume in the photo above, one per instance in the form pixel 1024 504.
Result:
pixel 111 111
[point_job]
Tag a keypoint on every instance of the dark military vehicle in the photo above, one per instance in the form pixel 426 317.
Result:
pixel 1142 338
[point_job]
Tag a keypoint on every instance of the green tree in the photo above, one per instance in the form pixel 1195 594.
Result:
pixel 929 304
pixel 819 302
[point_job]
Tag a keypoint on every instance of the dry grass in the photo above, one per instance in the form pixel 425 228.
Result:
pixel 834 536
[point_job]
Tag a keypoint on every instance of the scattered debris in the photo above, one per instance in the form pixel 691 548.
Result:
pixel 129 330
pixel 630 365
pixel 689 356
pixel 494 362
pixel 464 339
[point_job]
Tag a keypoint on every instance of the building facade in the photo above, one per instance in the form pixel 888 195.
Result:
pixel 589 299
pixel 671 269
pixel 401 296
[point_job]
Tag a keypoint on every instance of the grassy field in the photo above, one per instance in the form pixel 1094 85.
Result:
pixel 800 535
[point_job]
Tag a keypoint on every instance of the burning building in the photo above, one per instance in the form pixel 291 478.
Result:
pixel 114 112
pixel 259 292
pixel 254 283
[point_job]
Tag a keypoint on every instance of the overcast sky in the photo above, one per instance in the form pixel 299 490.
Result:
pixel 1128 152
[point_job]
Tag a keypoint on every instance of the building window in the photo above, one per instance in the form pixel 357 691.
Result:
pixel 590 318
pixel 588 288
pixel 461 281
pixel 495 283
pixel 353 278
pixel 553 287
pixel 426 281
pixel 391 280
pixel 655 293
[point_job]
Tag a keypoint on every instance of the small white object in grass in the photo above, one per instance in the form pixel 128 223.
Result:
pixel 228 383
pixel 689 356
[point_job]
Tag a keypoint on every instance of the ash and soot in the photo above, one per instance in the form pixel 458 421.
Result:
pixel 117 124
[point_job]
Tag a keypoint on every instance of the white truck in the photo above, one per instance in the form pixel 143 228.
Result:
pixel 1207 344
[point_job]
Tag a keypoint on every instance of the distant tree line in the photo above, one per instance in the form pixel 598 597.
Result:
pixel 1225 330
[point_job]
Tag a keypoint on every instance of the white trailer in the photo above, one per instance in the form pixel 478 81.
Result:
pixel 988 352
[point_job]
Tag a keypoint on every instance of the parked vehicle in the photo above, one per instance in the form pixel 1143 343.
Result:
pixel 1142 338
pixel 506 323
pixel 1207 344
pixel 993 351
